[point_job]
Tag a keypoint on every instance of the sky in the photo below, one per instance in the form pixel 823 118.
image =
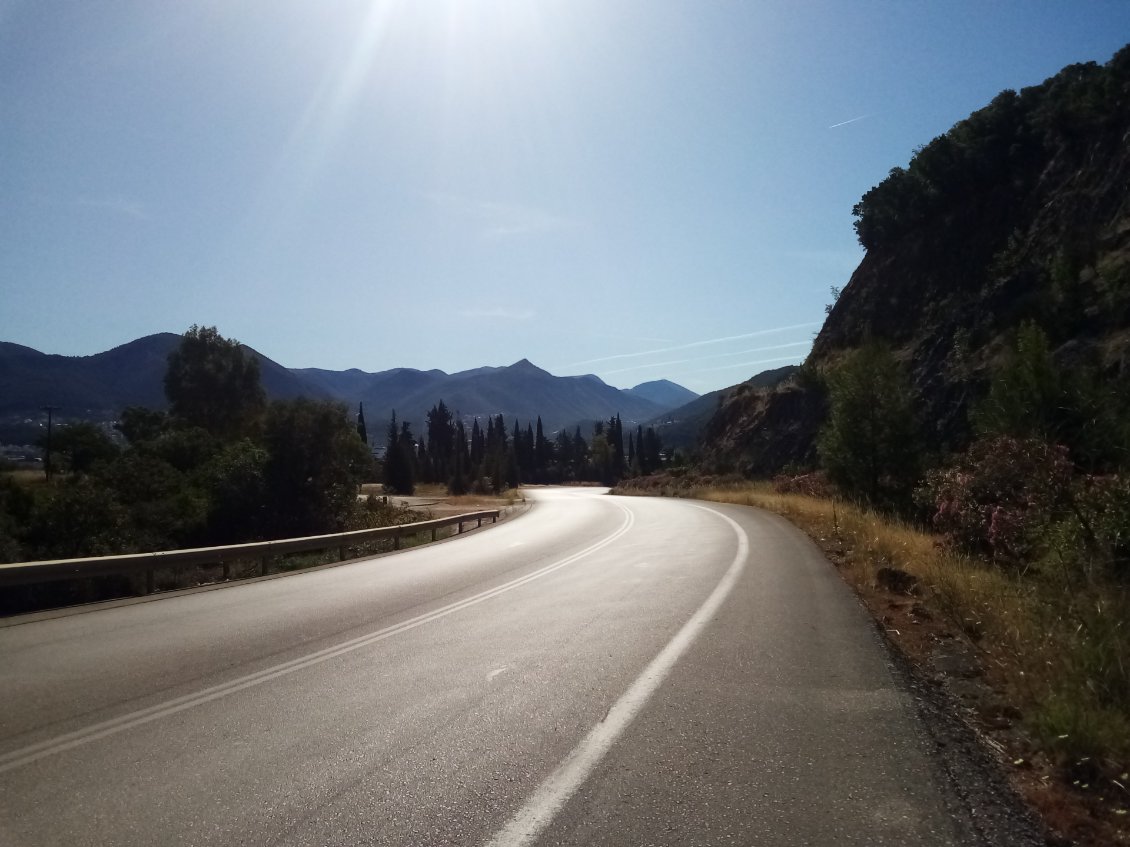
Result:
pixel 639 189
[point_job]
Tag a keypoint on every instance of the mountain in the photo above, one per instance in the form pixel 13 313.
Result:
pixel 664 393
pixel 682 427
pixel 98 387
pixel 1019 213
pixel 521 391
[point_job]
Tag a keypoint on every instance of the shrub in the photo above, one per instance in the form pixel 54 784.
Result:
pixel 1102 511
pixel 870 444
pixel 1001 498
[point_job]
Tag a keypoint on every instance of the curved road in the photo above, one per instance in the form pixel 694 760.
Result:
pixel 601 670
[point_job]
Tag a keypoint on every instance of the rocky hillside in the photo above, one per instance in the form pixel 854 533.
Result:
pixel 1020 212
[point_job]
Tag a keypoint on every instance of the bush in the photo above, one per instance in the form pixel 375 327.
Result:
pixel 1001 498
pixel 870 445
pixel 1102 511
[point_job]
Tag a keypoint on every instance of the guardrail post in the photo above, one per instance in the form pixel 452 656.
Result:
pixel 264 565
pixel 227 570
pixel 396 540
pixel 433 533
pixel 341 553
pixel 494 518
pixel 149 581
pixel 460 527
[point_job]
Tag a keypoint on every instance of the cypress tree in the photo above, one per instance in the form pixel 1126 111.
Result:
pixel 361 431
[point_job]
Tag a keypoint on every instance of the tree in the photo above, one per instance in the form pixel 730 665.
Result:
pixel 165 509
pixel 399 473
pixel 235 488
pixel 78 518
pixel 84 445
pixel 543 453
pixel 210 383
pixel 315 466
pixel 361 430
pixel 869 445
pixel 1027 395
pixel 139 424
pixel 459 484
pixel 477 450
pixel 602 458
pixel 1082 407
pixel 651 451
pixel 441 442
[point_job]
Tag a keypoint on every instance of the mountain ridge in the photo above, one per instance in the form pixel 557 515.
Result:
pixel 100 386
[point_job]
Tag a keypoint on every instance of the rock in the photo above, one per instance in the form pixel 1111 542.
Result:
pixel 897 581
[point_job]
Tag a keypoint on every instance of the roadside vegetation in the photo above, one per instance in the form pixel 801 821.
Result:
pixel 494 458
pixel 1016 548
pixel 223 466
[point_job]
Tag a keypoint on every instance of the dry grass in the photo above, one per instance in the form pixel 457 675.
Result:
pixel 26 476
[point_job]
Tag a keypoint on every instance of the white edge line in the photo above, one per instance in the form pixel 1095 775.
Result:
pixel 40 750
pixel 552 795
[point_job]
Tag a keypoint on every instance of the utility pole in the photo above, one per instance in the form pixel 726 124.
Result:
pixel 50 410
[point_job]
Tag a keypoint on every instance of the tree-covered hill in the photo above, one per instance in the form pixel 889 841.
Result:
pixel 1019 213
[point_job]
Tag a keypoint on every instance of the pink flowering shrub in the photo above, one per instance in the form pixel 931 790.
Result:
pixel 1000 497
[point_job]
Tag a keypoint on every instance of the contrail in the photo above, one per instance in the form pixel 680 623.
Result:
pixel 693 344
pixel 670 362
pixel 853 120
pixel 745 364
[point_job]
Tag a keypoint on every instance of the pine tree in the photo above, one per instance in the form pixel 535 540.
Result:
pixel 543 454
pixel 361 431
pixel 441 442
pixel 478 450
pixel 458 483
pixel 399 476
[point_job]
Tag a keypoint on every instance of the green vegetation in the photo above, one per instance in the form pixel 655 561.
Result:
pixel 870 445
pixel 221 467
pixel 499 458
pixel 1019 544
pixel 212 385
pixel 996 149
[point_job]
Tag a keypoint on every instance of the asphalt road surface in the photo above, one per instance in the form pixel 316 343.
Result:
pixel 600 670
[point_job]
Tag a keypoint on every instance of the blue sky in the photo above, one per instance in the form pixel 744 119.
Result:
pixel 639 190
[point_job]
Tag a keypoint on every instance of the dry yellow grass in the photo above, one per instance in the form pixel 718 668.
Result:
pixel 25 476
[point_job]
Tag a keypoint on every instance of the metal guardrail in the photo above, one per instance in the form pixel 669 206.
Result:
pixel 30 573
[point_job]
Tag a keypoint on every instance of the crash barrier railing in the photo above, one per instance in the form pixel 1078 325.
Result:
pixel 30 573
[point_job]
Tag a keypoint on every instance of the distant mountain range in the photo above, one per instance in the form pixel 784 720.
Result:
pixel 98 387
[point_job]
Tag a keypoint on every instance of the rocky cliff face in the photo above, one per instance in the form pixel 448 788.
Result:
pixel 1020 212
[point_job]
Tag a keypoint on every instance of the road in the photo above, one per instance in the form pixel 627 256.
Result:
pixel 600 670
